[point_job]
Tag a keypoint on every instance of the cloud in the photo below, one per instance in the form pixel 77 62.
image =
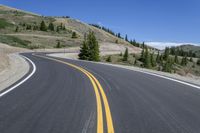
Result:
pixel 162 45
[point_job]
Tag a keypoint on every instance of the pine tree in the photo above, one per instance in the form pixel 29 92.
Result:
pixel 198 62
pixel 109 59
pixel 58 45
pixel 191 59
pixel 119 35
pixel 142 55
pixel 184 61
pixel 51 26
pixel 168 66
pixel 166 53
pixel 126 38
pixel 143 45
pixel 57 29
pixel 176 59
pixel 84 51
pixel 125 57
pixel 147 62
pixel 17 29
pixel 93 47
pixel 74 35
pixel 43 26
pixel 158 57
pixel 89 48
pixel 153 62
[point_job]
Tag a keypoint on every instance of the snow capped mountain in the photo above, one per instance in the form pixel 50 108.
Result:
pixel 162 45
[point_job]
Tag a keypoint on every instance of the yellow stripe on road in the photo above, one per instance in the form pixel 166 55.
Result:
pixel 97 88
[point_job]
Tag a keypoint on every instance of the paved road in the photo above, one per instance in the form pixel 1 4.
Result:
pixel 59 98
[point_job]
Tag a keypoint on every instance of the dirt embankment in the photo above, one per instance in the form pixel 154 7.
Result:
pixel 12 66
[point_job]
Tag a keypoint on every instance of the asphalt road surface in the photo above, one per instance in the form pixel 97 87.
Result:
pixel 68 96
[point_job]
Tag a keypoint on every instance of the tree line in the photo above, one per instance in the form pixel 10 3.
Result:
pixel 46 27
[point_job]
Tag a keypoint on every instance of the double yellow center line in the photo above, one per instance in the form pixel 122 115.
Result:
pixel 98 92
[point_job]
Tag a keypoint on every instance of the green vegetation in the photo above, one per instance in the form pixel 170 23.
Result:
pixel 43 26
pixel 186 50
pixel 4 23
pixel 14 41
pixel 58 45
pixel 51 26
pixel 74 35
pixel 161 61
pixel 109 59
pixel 125 57
pixel 198 62
pixel 90 48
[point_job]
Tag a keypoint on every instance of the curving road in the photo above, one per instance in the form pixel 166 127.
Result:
pixel 60 97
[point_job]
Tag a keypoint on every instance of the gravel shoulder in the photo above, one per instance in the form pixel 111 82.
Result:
pixel 190 78
pixel 12 66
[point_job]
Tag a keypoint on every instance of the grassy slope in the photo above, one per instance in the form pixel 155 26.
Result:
pixel 191 68
pixel 188 48
pixel 10 18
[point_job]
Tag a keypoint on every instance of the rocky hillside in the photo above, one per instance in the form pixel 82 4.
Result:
pixel 23 29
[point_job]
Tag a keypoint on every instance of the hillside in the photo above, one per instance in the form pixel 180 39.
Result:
pixel 186 50
pixel 22 29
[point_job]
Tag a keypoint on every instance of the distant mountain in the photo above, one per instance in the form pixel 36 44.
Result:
pixel 162 45
pixel 193 48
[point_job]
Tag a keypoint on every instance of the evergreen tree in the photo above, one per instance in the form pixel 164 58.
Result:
pixel 28 27
pixel 119 35
pixel 126 38
pixel 176 59
pixel 147 61
pixel 142 56
pixel 158 57
pixel 58 45
pixel 198 62
pixel 168 66
pixel 143 45
pixel 43 26
pixel 51 26
pixel 109 59
pixel 90 48
pixel 191 59
pixel 57 29
pixel 74 35
pixel 84 51
pixel 125 57
pixel 93 47
pixel 166 53
pixel 184 61
pixel 153 62
pixel 17 29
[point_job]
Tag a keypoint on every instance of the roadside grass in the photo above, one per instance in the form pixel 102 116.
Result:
pixel 133 60
pixel 14 41
pixel 4 23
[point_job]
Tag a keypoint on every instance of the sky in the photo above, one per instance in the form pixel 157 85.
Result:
pixel 144 20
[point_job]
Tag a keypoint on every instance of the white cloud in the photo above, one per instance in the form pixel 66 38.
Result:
pixel 162 45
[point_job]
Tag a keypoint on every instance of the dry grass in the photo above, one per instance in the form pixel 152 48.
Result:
pixel 5 50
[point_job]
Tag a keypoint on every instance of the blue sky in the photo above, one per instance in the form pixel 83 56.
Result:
pixel 144 20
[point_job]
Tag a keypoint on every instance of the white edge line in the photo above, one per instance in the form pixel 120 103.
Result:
pixel 24 80
pixel 152 74
pixel 149 73
pixel 172 79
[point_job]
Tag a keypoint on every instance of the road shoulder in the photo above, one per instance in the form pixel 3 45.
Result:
pixel 16 69
pixel 192 79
